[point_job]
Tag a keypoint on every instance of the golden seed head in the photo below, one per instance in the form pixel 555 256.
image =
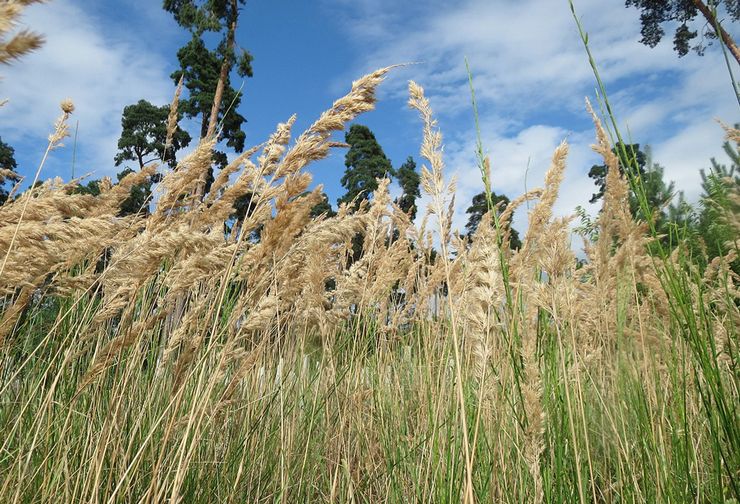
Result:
pixel 67 106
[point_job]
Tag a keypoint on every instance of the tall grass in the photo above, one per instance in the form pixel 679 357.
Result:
pixel 157 358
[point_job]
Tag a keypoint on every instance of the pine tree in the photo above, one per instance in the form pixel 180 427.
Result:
pixel 657 193
pixel 716 204
pixel 206 73
pixel 409 180
pixel 598 172
pixel 144 133
pixel 323 207
pixel 7 162
pixel 365 163
pixel 655 13
pixel 479 207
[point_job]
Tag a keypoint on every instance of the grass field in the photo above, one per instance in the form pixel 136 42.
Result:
pixel 160 357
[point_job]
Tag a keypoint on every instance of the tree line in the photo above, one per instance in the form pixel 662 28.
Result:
pixel 212 100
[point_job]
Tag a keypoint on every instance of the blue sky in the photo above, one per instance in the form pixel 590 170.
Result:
pixel 531 77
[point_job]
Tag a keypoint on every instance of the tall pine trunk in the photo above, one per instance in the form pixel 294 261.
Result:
pixel 225 68
pixel 219 94
pixel 719 31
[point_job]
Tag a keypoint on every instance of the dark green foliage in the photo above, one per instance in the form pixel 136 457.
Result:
pixel 323 207
pixel 478 208
pixel 598 172
pixel 243 207
pixel 201 68
pixel 365 162
pixel 202 15
pixel 656 13
pixel 408 179
pixel 715 204
pixel 92 188
pixel 138 199
pixel 7 162
pixel 657 193
pixel 144 135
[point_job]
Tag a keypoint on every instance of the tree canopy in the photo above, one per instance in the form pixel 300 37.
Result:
pixel 657 13
pixel 7 162
pixel 598 172
pixel 206 73
pixel 479 207
pixel 658 193
pixel 409 180
pixel 716 204
pixel 365 162
pixel 323 207
pixel 200 69
pixel 144 135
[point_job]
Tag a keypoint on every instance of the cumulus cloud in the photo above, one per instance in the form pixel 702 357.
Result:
pixel 531 75
pixel 91 60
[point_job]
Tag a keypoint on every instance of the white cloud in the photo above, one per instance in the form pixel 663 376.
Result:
pixel 531 74
pixel 91 60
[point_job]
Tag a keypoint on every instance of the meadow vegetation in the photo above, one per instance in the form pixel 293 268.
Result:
pixel 163 356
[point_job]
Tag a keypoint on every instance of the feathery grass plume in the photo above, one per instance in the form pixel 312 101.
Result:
pixel 731 134
pixel 313 302
pixel 7 175
pixel 539 217
pixel 22 43
pixel 314 144
pixel 112 196
pixel 557 258
pixel 220 208
pixel 57 245
pixel 317 256
pixel 203 265
pixel 9 14
pixel 60 231
pixel 275 147
pixel 508 213
pixel 627 287
pixel 377 228
pixel 268 265
pixel 61 128
pixel 179 186
pixel 12 313
pixel 432 181
pixel 391 267
pixel 722 289
pixel 49 200
pixel 221 182
pixel 481 291
pixel 291 215
pixel 135 262
pixel 172 116
pixel 615 219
